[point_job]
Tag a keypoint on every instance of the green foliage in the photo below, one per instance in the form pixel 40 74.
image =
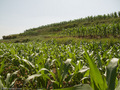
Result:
pixel 111 73
pixel 48 65
pixel 118 86
pixel 10 37
pixel 78 87
pixel 93 31
pixel 98 82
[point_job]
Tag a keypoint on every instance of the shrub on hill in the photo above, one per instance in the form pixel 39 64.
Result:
pixel 10 37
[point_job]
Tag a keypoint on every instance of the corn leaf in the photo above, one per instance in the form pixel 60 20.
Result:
pixel 118 86
pixel 12 84
pixel 32 77
pixel 1 85
pixel 83 69
pixel 8 80
pixel 111 73
pixel 28 63
pixel 95 73
pixel 78 87
pixel 2 67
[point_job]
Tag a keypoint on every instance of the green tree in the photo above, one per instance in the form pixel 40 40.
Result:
pixel 115 15
pixel 119 13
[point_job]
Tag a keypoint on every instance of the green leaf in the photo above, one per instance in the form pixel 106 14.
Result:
pixel 95 73
pixel 78 87
pixel 99 61
pixel 66 67
pixel 82 87
pixel 84 69
pixel 2 67
pixel 68 61
pixel 8 80
pixel 13 82
pixel 53 75
pixel 28 62
pixel 111 73
pixel 1 85
pixel 32 77
pixel 43 69
pixel 14 73
pixel 118 86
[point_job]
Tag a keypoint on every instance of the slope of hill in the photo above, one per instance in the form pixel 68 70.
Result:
pixel 92 27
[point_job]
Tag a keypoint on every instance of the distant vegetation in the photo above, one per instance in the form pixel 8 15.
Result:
pixel 96 31
pixel 10 37
pixel 88 21
pixel 100 26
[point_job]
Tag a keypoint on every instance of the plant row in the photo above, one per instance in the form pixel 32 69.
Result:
pixel 54 66
pixel 94 31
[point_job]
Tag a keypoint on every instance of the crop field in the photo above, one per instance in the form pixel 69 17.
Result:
pixel 95 31
pixel 80 54
pixel 42 65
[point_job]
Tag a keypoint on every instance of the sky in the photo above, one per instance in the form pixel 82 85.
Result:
pixel 16 16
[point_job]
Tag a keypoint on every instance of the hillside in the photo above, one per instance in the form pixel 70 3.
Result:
pixel 91 27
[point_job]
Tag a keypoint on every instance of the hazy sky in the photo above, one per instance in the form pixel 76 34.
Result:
pixel 18 15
